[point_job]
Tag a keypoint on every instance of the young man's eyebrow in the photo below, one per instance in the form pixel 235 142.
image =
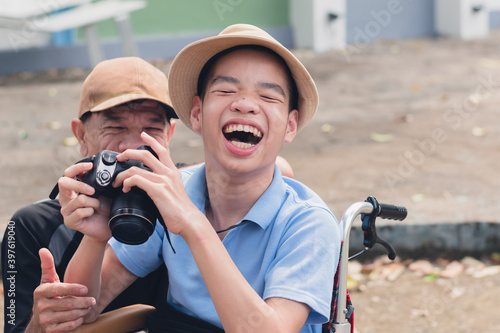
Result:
pixel 272 86
pixel 225 78
pixel 263 84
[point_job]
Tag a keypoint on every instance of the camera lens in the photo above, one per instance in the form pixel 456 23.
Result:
pixel 130 226
pixel 133 217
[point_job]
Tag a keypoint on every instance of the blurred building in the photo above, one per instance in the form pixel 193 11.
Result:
pixel 163 27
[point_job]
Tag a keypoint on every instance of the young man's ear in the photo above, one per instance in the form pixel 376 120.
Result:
pixel 195 117
pixel 291 128
pixel 78 129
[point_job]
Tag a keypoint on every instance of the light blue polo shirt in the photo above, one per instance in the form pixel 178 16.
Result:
pixel 289 248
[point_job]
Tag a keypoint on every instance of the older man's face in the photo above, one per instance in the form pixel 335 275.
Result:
pixel 120 127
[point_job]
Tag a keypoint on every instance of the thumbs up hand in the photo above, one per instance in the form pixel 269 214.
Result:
pixel 57 306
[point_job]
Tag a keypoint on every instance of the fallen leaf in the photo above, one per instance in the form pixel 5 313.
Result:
pixel 351 284
pixel 55 125
pixel 487 271
pixel 22 134
pixel 52 92
pixel 422 267
pixel 472 265
pixel 452 270
pixel 395 272
pixel 382 138
pixel 375 275
pixel 70 141
pixel 327 128
pixel 419 197
pixel 489 63
pixel 495 257
pixel 415 88
pixel 475 99
pixel 431 277
pixel 479 131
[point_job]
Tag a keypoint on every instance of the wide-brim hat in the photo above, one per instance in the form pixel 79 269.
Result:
pixel 187 65
pixel 121 80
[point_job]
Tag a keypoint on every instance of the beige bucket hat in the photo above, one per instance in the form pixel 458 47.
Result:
pixel 121 80
pixel 187 65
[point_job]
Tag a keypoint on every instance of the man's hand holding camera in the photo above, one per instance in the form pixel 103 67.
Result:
pixel 163 185
pixel 136 171
pixel 81 211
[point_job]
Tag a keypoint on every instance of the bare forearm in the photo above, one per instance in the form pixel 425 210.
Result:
pixel 85 268
pixel 239 307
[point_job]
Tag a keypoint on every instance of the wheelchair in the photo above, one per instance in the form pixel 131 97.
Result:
pixel 134 317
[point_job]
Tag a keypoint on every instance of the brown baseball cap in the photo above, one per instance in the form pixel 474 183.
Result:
pixel 121 80
pixel 187 65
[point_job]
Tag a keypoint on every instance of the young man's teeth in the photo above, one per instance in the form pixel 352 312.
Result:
pixel 243 128
pixel 243 145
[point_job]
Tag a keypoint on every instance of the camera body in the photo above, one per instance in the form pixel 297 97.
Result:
pixel 133 215
pixel 106 168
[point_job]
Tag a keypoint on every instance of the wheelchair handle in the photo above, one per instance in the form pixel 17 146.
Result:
pixel 392 212
pixel 369 210
pixel 387 211
pixel 369 230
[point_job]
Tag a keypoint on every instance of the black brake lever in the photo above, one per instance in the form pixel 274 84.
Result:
pixel 369 230
pixel 391 253
pixel 368 225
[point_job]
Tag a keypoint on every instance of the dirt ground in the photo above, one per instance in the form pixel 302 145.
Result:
pixel 411 122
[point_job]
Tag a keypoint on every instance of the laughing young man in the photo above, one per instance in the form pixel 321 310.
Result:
pixel 254 252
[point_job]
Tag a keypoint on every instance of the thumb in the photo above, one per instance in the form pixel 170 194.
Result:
pixel 49 274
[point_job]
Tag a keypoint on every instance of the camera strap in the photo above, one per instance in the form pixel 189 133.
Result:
pixel 55 191
pixel 160 219
pixel 233 226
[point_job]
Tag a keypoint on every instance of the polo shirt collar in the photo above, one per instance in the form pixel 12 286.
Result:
pixel 196 188
pixel 263 211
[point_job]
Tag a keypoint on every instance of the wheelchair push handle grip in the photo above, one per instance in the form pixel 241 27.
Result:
pixel 392 212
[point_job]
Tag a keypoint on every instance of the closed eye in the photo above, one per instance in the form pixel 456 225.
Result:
pixel 272 98
pixel 224 84
pixel 269 98
pixel 114 128
pixel 224 91
pixel 153 129
pixel 272 91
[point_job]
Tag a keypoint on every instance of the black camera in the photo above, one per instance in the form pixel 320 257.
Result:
pixel 133 215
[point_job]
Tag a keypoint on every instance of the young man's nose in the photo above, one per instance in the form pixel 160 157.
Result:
pixel 245 104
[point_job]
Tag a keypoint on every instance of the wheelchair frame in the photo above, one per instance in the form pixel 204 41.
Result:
pixel 369 210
